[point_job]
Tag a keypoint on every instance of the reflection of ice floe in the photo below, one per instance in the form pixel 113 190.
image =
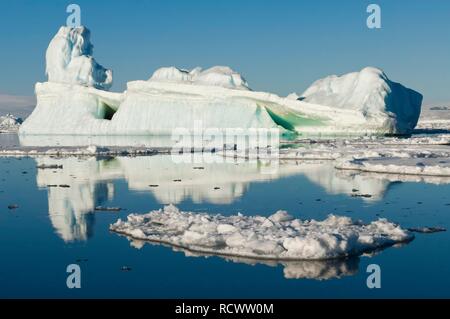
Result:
pixel 279 237
pixel 321 270
pixel 300 269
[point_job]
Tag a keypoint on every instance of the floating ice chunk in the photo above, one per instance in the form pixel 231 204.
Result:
pixel 370 92
pixel 427 230
pixel 286 239
pixel 69 60
pixel 9 123
pixel 281 216
pixel 431 166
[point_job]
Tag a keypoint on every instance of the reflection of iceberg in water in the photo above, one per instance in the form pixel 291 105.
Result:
pixel 306 269
pixel 73 193
pixel 344 182
pixel 103 140
pixel 91 183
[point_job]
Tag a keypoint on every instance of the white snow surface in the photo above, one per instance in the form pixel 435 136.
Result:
pixel 222 76
pixel 370 92
pixel 69 60
pixel 73 102
pixel 278 237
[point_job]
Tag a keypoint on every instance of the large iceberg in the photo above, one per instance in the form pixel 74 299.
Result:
pixel 75 101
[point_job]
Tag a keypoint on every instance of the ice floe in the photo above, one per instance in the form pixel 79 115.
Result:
pixel 278 237
pixel 432 166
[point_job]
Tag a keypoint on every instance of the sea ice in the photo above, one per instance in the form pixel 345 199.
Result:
pixel 279 237
pixel 431 166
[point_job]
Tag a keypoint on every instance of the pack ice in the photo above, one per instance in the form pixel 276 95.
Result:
pixel 75 100
pixel 279 237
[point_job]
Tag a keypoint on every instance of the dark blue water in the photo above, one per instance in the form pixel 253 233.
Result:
pixel 53 228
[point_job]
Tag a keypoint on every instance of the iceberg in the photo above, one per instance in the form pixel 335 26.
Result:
pixel 75 100
pixel 369 92
pixel 278 237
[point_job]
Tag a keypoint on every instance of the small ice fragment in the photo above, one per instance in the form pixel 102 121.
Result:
pixel 427 230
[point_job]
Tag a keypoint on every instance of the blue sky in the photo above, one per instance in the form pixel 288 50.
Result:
pixel 279 46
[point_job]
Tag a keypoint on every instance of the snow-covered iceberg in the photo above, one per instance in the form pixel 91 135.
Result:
pixel 278 237
pixel 369 92
pixel 74 100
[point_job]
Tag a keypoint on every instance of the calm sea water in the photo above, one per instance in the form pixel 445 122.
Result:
pixel 55 226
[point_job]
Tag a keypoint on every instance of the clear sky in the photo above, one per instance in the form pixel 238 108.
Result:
pixel 279 46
